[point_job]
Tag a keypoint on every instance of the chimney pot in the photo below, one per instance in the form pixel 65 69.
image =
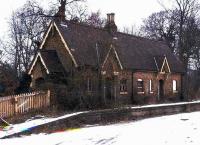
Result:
pixel 111 17
pixel 110 25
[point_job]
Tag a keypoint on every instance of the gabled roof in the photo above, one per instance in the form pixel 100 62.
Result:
pixel 50 61
pixel 161 62
pixel 135 53
pixel 52 25
pixel 116 55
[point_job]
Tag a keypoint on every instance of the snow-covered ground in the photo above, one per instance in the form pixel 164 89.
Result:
pixel 181 129
pixel 29 124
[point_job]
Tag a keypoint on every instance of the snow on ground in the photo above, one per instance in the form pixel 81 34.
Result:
pixel 181 129
pixel 31 124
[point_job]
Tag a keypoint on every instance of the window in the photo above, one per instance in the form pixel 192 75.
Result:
pixel 150 86
pixel 39 82
pixel 2 88
pixel 140 85
pixel 123 86
pixel 174 86
pixel 89 85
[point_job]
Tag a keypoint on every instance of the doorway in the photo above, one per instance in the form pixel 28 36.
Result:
pixel 161 89
pixel 109 88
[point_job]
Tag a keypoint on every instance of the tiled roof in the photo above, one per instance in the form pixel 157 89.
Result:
pixel 136 53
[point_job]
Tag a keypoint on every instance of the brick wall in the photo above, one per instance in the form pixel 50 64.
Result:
pixel 112 69
pixel 155 77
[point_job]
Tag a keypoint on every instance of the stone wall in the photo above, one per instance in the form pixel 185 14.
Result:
pixel 116 115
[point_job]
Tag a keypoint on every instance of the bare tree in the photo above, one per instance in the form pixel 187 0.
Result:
pixel 133 30
pixel 26 29
pixel 176 26
pixel 27 26
pixel 161 26
pixel 95 19
pixel 185 10
pixel 195 59
pixel 74 9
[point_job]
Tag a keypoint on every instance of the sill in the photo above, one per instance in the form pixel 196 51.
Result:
pixel 175 92
pixel 140 92
pixel 89 92
pixel 123 93
pixel 150 92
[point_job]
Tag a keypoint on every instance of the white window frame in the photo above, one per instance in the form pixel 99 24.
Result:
pixel 89 84
pixel 139 92
pixel 174 86
pixel 150 87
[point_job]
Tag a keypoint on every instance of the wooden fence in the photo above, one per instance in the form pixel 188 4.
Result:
pixel 22 103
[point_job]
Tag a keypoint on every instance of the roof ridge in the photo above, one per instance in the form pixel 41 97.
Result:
pixel 118 32
pixel 86 25
pixel 140 37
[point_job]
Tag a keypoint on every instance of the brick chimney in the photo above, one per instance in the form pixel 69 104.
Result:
pixel 110 24
pixel 60 15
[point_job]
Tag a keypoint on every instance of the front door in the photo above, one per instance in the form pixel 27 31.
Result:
pixel 161 89
pixel 109 88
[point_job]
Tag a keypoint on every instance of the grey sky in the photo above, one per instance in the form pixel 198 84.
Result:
pixel 128 12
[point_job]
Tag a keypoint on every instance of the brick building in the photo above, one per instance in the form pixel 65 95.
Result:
pixel 107 64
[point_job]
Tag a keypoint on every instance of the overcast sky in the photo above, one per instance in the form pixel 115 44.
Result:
pixel 128 12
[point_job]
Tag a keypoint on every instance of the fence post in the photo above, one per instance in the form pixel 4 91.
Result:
pixel 48 98
pixel 15 104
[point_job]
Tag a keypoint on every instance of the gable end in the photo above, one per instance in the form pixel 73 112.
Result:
pixel 53 24
pixel 165 63
pixel 116 55
pixel 34 63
